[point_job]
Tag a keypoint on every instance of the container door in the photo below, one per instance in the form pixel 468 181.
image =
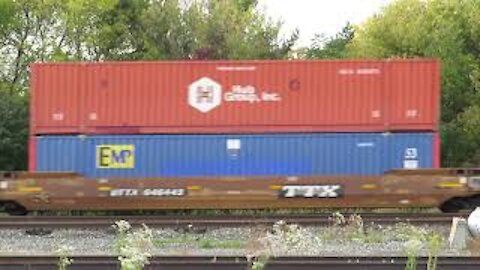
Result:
pixel 56 98
pixel 414 94
pixel 408 151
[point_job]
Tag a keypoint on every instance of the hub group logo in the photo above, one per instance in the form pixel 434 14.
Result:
pixel 115 156
pixel 206 94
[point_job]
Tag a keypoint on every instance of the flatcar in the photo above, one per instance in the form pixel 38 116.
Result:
pixel 448 189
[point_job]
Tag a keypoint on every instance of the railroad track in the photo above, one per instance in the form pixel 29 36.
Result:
pixel 212 221
pixel 215 263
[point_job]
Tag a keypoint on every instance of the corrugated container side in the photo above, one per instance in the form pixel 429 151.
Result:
pixel 57 97
pixel 264 96
pixel 235 97
pixel 414 95
pixel 235 155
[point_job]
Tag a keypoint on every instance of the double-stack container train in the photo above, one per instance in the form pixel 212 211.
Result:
pixel 236 134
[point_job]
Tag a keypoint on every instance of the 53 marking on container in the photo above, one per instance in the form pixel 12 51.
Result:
pixel 148 192
pixel 411 158
pixel 311 191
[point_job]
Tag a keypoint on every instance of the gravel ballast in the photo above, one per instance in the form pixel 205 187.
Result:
pixel 309 241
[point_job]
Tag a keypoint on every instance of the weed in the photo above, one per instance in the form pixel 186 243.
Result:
pixel 260 262
pixel 369 236
pixel 133 246
pixel 415 236
pixel 338 219
pixel 357 231
pixel 256 243
pixel 64 261
pixel 354 228
pixel 356 221
pixel 123 228
pixel 412 247
pixel 434 244
pixel 227 244
pixel 258 248
pixel 206 243
pixel 184 239
pixel 329 234
pixel 288 238
pixel 405 232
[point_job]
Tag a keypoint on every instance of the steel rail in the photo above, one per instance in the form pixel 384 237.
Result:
pixel 213 221
pixel 215 263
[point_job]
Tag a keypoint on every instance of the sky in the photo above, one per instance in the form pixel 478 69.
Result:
pixel 319 16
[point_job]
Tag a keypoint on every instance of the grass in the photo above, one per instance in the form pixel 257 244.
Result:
pixel 161 243
pixel 204 243
pixel 226 244
pixel 328 234
pixel 405 232
pixel 369 236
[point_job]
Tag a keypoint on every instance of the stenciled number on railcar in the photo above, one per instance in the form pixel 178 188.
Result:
pixel 176 192
pixel 148 192
pixel 311 191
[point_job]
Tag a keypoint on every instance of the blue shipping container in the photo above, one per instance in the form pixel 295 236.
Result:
pixel 235 155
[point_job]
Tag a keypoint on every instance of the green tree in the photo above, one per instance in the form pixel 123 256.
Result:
pixel 166 31
pixel 443 29
pixel 331 47
pixel 13 129
pixel 220 29
pixel 97 30
pixel 7 13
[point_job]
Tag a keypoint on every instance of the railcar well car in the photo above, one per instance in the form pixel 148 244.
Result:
pixel 449 189
pixel 236 134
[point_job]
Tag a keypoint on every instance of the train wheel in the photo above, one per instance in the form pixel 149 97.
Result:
pixel 474 202
pixel 455 205
pixel 15 209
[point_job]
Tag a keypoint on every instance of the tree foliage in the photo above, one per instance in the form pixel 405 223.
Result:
pixel 331 47
pixel 443 29
pixel 221 29
pixel 13 130
pixel 98 30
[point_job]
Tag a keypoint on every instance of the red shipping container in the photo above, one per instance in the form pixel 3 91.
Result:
pixel 235 96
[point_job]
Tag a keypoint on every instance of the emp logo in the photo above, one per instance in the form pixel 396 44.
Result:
pixel 204 94
pixel 115 156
